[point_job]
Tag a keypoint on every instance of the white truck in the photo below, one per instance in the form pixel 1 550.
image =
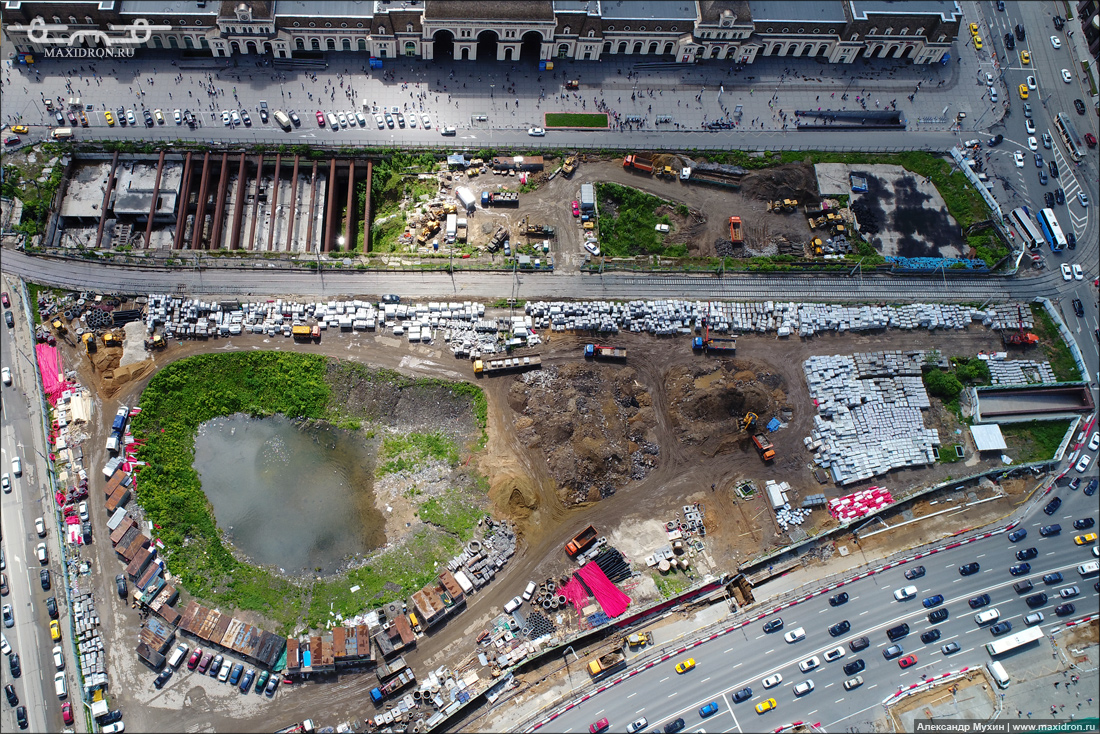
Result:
pixel 466 197
pixel 452 229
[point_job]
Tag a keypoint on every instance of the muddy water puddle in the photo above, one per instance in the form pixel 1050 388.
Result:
pixel 293 496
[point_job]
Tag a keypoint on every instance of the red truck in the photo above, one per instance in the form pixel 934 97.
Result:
pixel 581 542
pixel 638 162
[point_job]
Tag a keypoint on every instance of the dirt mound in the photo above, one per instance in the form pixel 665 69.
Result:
pixel 708 400
pixel 795 181
pixel 591 422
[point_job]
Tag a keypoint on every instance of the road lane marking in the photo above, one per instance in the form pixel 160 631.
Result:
pixel 632 695
pixel 674 693
pixel 812 713
pixel 730 707
pixel 640 710
pixel 830 685
pixel 838 700
pixel 862 613
pixel 705 679
pixel 664 679
pixel 735 667
pixel 823 611
pixel 725 652
pixel 982 556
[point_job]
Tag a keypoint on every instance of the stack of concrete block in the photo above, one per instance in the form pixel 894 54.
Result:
pixel 1008 316
pixel 90 653
pixel 869 418
pixel 1020 372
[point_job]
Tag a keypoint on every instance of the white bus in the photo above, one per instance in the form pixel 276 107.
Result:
pixel 1052 231
pixel 1005 644
pixel 1019 219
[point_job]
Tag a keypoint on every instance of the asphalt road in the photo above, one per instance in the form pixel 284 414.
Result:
pixel 30 637
pixel 745 657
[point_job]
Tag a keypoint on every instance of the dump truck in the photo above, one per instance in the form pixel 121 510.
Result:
pixel 717 345
pixel 597 351
pixel 581 542
pixel 402 679
pixel 540 230
pixel 301 728
pixel 736 236
pixel 498 239
pixel 301 332
pixel 511 364
pixel 569 166
pixel 388 670
pixel 640 639
pixel 639 162
pixel 763 446
pixel 606 663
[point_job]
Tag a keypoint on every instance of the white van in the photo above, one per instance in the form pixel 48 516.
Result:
pixel 62 133
pixel 282 119
pixel 998 673
pixel 990 615
pixel 59 685
pixel 177 655
pixel 1087 569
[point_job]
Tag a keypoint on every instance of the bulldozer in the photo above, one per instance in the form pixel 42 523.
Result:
pixel 783 205
pixel 749 421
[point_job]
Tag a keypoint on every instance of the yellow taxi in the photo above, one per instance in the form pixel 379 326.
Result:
pixel 977 42
pixel 55 631
pixel 766 705
pixel 20 129
pixel 685 666
pixel 1085 539
pixel 973 29
pixel 109 117
pixel 1023 91
pixel 1025 57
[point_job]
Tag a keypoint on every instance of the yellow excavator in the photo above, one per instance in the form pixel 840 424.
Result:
pixel 749 421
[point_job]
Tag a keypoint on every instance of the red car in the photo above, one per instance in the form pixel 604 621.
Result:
pixel 576 208
pixel 1090 140
pixel 72 118
pixel 320 118
pixel 907 661
pixel 205 662
pixel 4 298
pixel 67 712
pixel 195 658
pixel 601 725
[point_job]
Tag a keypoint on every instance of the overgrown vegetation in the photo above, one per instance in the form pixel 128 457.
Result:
pixel 1034 440
pixel 455 511
pixel 671 584
pixel 943 385
pixel 576 119
pixel 1056 350
pixel 409 451
pixel 192 391
pixel 393 181
pixel 627 221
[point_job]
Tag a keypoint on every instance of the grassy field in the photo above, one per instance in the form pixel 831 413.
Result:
pixel 1035 440
pixel 627 221
pixel 576 119
pixel 1057 352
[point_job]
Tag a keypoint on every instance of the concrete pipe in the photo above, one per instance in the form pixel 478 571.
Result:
pixel 417 695
pixel 473 546
pixel 561 599
pixel 546 604
pixel 551 586
pixel 526 631
pixel 555 604
pixel 670 525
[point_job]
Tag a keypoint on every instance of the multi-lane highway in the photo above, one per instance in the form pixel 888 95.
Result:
pixel 29 638
pixel 745 657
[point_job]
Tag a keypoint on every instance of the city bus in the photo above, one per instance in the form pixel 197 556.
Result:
pixel 1069 136
pixel 1005 644
pixel 1020 220
pixel 1052 232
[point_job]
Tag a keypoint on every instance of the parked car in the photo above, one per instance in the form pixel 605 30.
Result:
pixel 235 674
pixel 215 665
pixel 193 661
pixel 272 684
pixel 261 681
pixel 162 678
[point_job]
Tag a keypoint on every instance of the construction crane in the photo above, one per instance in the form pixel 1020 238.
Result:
pixel 706 343
pixel 1021 336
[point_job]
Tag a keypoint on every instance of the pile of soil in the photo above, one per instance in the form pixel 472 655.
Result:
pixel 591 421
pixel 708 400
pixel 795 181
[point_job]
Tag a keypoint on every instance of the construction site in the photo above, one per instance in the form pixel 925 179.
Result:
pixel 498 211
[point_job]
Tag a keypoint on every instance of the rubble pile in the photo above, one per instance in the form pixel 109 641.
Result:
pixel 869 414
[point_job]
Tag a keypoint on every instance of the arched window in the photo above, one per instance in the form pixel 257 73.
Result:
pixel 920 32
pixel 312 24
pixel 88 19
pixel 817 30
pixel 409 28
pixel 641 28
pixel 410 48
pixel 607 47
pixel 889 31
pixel 314 44
pixel 637 47
pixel 157 42
pixel 299 44
pixel 328 25
pixel 903 32
pixel 855 37
pixel 330 44
pixel 187 42
pixel 652 47
pixel 942 38
pixel 566 31
pixel 786 30
pixel 668 48
pixel 343 25
pixel 801 30
pixel 673 29
pixel 203 43
pixel 57 19
pixel 381 30
pixel 714 52
pixel 362 44
pixel 72 20
pixel 626 28
pixel 563 50
pixel 592 34
pixel 872 32
pixel 622 47
pixel 610 28
pixel 346 44
pixel 297 24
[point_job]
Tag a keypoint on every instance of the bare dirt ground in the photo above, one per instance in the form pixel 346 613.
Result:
pixel 594 417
